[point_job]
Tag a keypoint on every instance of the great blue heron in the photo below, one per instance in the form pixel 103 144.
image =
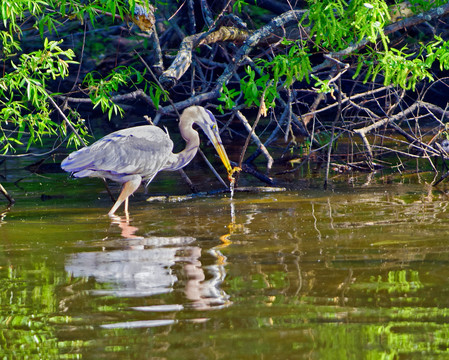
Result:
pixel 131 155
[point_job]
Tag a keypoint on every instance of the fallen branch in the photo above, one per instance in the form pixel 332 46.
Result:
pixel 248 189
pixel 258 175
pixel 365 130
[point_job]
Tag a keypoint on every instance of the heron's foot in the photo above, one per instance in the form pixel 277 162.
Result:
pixel 113 216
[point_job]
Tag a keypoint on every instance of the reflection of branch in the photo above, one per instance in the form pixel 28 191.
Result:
pixel 345 286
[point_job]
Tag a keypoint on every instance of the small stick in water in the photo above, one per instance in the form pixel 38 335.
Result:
pixel 6 195
pixel 232 180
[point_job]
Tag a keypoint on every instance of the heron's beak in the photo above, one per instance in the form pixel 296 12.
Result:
pixel 224 158
pixel 216 141
pixel 210 128
pixel 213 134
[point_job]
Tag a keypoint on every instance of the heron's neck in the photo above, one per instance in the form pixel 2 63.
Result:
pixel 192 144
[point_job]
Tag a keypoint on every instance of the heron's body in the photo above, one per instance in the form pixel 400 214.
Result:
pixel 132 155
pixel 122 154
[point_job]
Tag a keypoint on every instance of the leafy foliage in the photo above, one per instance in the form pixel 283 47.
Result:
pixel 349 35
pixel 269 77
pixel 23 94
pixel 425 5
pixel 335 25
pixel 27 77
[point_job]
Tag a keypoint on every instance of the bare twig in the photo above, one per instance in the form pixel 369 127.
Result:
pixel 191 12
pixel 67 121
pixel 212 168
pixel 159 84
pixel 256 139
pixel 386 120
pixel 6 195
pixel 188 181
pixel 289 115
pixel 207 14
pixel 337 116
pixel 159 63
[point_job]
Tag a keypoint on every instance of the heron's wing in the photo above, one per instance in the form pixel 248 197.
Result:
pixel 141 150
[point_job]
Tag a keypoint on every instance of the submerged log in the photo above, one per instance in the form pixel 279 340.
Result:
pixel 248 189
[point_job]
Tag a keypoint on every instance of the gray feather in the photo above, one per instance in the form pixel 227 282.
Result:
pixel 122 153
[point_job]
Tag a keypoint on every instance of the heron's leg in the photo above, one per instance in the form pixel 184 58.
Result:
pixel 126 209
pixel 128 189
pixel 126 205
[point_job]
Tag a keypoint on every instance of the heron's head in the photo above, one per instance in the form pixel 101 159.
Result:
pixel 207 122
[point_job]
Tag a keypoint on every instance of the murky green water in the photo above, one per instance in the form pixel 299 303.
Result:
pixel 357 273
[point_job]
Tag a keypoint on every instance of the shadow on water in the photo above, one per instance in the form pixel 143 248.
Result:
pixel 356 273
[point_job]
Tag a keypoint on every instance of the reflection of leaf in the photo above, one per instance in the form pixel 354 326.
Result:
pixel 27 322
pixel 398 281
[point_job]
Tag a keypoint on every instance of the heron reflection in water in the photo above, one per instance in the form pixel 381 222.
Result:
pixel 155 265
pixel 132 155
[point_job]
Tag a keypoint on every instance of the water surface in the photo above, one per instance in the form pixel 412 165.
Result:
pixel 360 272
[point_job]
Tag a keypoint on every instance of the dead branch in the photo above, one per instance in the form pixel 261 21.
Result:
pixel 254 39
pixel 365 130
pixel 256 139
pixel 158 64
pixel 144 17
pixel 139 93
pixel 6 195
pixel 346 99
pixel 258 175
pixel 207 13
pixel 183 59
pixel 390 120
pixel 67 121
